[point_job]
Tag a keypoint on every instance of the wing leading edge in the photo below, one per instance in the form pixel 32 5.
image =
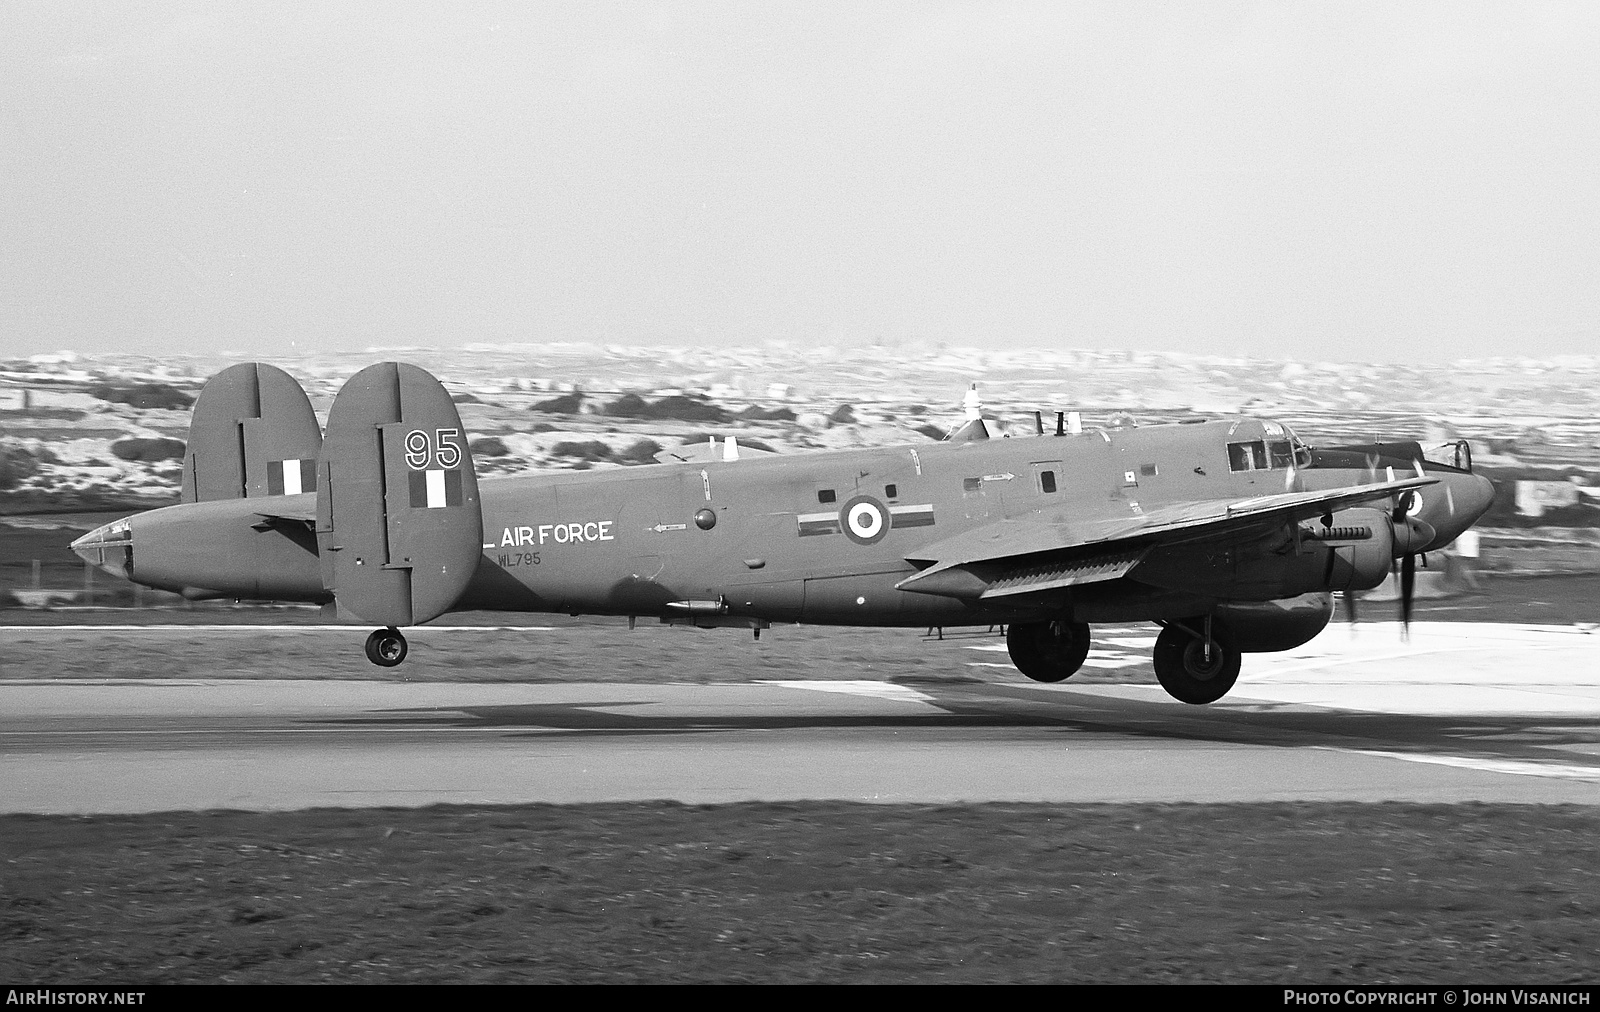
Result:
pixel 1022 556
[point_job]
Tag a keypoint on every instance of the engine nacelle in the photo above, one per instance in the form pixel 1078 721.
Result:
pixel 1356 563
pixel 1264 626
pixel 1355 552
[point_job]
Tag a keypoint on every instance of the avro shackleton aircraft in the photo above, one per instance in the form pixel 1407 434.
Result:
pixel 1230 534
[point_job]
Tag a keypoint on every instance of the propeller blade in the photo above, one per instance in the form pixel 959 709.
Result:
pixel 1408 583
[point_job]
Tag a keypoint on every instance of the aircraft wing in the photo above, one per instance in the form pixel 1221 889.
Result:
pixel 699 453
pixel 1024 556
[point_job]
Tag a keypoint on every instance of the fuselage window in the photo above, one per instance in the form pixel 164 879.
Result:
pixel 1251 456
pixel 826 495
pixel 1047 481
pixel 971 484
pixel 1282 454
pixel 891 491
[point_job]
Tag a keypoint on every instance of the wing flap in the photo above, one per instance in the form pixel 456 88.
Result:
pixel 1057 575
pixel 991 580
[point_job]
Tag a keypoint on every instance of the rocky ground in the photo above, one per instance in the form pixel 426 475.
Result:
pixel 104 432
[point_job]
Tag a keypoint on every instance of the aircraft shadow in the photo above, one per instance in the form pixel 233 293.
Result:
pixel 1542 738
pixel 603 717
pixel 1525 738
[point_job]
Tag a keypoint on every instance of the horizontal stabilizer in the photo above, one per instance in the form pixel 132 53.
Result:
pixel 300 507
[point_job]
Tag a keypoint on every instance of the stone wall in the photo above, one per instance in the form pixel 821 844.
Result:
pixel 1539 551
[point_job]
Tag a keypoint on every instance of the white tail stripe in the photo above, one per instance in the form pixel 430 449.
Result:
pixel 291 477
pixel 436 499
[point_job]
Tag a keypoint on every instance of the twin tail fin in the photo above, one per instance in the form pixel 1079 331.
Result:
pixel 398 529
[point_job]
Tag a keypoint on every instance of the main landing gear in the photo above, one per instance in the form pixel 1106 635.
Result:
pixel 1196 660
pixel 1048 651
pixel 386 647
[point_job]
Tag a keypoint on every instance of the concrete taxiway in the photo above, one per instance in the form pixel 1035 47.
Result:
pixel 1461 712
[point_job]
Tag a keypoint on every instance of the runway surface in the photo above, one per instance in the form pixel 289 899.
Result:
pixel 1462 712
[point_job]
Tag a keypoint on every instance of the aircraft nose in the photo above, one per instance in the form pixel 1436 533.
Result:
pixel 109 547
pixel 1466 497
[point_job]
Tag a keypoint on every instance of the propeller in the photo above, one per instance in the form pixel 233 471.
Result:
pixel 1409 534
pixel 1412 535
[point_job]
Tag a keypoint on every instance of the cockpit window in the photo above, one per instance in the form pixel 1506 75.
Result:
pixel 1249 456
pixel 1278 449
pixel 1299 451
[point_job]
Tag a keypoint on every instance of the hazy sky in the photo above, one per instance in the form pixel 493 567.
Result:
pixel 1318 180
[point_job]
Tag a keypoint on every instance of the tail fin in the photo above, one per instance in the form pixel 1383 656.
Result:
pixel 253 433
pixel 399 531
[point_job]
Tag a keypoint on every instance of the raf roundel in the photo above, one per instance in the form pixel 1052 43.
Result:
pixel 864 519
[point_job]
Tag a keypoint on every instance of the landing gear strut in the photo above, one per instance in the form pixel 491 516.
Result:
pixel 386 647
pixel 1196 660
pixel 1048 651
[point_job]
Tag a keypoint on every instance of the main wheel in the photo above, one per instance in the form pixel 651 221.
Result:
pixel 386 647
pixel 1048 651
pixel 1191 670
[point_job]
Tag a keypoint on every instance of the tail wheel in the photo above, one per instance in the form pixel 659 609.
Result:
pixel 1192 668
pixel 386 647
pixel 1048 651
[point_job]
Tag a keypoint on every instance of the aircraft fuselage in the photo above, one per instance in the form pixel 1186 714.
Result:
pixel 816 537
